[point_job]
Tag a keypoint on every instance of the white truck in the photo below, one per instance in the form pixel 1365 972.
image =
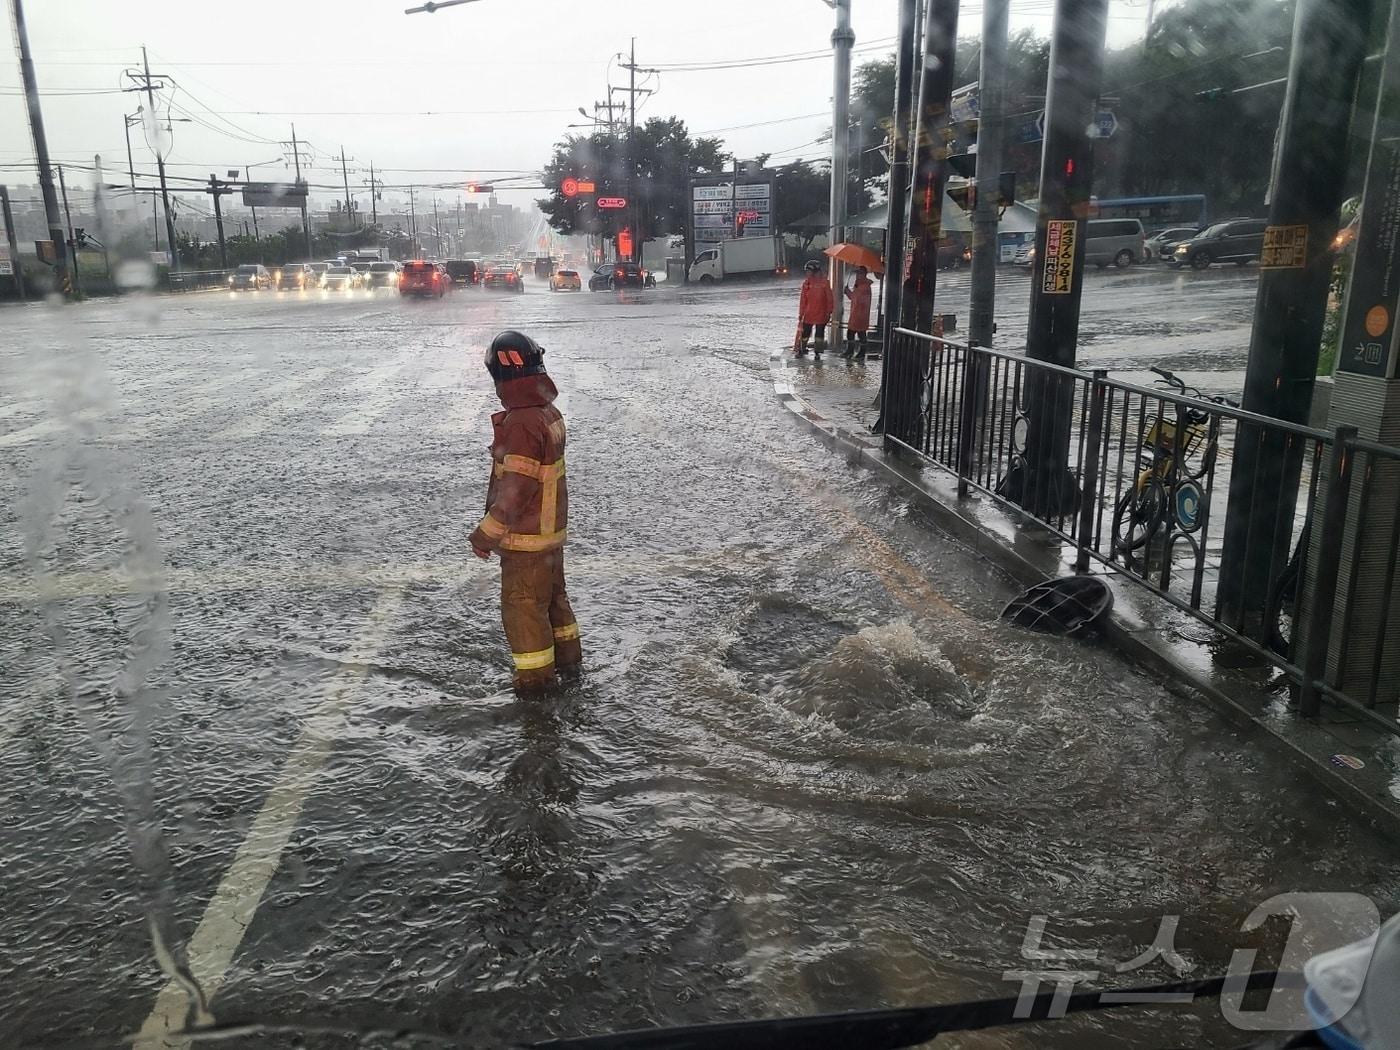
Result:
pixel 745 257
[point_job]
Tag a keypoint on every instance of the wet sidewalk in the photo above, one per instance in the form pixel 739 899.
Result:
pixel 1358 763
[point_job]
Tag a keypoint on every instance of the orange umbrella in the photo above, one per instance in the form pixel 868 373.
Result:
pixel 857 255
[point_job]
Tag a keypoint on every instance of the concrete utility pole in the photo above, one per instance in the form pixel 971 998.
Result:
pixel 897 200
pixel 147 85
pixel 345 176
pixel 373 196
pixel 1057 280
pixel 1329 38
pixel 930 172
pixel 41 148
pixel 99 209
pixel 842 39
pixel 437 231
pixel 413 222
pixel 71 244
pixel 10 238
pixel 991 95
pixel 248 174
pixel 217 190
pixel 305 219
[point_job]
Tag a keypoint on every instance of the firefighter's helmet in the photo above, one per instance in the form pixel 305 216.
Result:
pixel 514 355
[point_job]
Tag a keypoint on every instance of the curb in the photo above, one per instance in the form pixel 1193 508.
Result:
pixel 1029 564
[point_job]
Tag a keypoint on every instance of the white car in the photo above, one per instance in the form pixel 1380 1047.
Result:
pixel 1025 255
pixel 340 279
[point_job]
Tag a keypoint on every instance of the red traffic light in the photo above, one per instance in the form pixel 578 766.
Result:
pixel 569 187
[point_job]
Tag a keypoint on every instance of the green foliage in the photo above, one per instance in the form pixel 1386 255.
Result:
pixel 666 158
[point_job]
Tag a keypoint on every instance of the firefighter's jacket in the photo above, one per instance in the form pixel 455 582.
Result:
pixel 527 500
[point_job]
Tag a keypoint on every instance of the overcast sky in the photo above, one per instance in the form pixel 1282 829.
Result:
pixel 502 77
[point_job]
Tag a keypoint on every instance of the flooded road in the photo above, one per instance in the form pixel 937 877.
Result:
pixel 255 686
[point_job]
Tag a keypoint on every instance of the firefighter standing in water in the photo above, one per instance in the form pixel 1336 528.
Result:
pixel 859 322
pixel 814 309
pixel 527 512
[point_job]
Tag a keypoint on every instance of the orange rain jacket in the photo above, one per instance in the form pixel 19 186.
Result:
pixel 859 295
pixel 817 302
pixel 527 500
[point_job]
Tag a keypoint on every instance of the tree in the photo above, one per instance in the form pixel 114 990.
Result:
pixel 666 158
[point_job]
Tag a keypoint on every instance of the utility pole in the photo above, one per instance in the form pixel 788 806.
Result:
pixel 1295 268
pixel 930 169
pixel 632 155
pixel 991 92
pixel 898 196
pixel 1057 279
pixel 144 81
pixel 15 267
pixel 127 120
pixel 301 187
pixel 413 222
pixel 248 174
pixel 41 148
pixel 373 196
pixel 842 39
pixel 344 174
pixel 216 190
pixel 99 208
pixel 70 245
pixel 437 231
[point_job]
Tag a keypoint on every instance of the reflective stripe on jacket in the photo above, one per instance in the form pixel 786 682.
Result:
pixel 527 498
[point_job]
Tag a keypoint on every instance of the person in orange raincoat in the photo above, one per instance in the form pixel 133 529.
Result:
pixel 527 513
pixel 859 321
pixel 814 309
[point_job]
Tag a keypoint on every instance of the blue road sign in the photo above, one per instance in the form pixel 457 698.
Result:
pixel 1032 129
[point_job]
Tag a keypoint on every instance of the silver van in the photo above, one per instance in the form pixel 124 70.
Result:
pixel 1121 242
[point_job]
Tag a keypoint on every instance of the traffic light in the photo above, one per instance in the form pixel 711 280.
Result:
pixel 964 164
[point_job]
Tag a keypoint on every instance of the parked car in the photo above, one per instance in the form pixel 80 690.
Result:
pixel 1235 240
pixel 1161 244
pixel 565 281
pixel 617 275
pixel 463 272
pixel 251 277
pixel 381 275
pixel 502 278
pixel 1118 241
pixel 341 279
pixel 296 277
pixel 420 277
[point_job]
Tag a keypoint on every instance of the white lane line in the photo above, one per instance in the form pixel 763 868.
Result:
pixel 230 911
pixel 34 432
pixel 295 395
pixel 384 394
pixel 22 408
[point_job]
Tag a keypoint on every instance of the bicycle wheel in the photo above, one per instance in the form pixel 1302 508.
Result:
pixel 1139 515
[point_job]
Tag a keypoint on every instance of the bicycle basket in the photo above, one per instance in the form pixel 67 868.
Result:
pixel 1159 434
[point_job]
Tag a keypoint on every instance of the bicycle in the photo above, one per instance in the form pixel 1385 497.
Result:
pixel 1166 489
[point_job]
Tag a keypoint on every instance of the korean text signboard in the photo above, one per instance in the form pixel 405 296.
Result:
pixel 729 210
pixel 274 195
pixel 1061 237
pixel 1368 333
pixel 6 267
pixel 1285 248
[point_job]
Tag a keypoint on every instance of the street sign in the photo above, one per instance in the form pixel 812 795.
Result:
pixel 1105 124
pixel 274 195
pixel 569 187
pixel 1058 276
pixel 608 203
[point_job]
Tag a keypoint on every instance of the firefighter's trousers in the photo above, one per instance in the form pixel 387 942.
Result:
pixel 539 621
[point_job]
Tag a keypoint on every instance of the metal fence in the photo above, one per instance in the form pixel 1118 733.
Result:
pixel 196 280
pixel 1141 482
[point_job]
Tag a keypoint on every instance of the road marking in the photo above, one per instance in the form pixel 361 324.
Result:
pixel 27 589
pixel 294 395
pixel 384 394
pixel 230 911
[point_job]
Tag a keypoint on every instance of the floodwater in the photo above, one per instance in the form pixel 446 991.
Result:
pixel 256 699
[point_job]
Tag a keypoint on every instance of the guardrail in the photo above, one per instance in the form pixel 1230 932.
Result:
pixel 1140 483
pixel 196 280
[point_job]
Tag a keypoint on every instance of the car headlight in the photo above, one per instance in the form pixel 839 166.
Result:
pixel 1180 249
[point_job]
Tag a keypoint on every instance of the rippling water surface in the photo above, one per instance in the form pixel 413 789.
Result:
pixel 807 769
